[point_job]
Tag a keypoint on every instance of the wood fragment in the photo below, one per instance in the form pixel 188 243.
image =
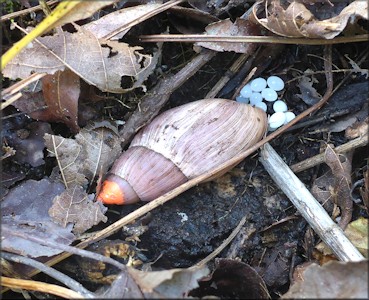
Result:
pixel 318 159
pixel 308 206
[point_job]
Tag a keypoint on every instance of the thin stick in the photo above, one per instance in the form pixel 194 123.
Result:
pixel 66 280
pixel 318 159
pixel 73 250
pixel 308 206
pixel 41 287
pixel 191 38
pixel 25 11
pixel 223 245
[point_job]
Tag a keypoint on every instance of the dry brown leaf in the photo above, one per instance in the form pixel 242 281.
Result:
pixel 117 19
pixel 89 154
pixel 297 21
pixel 61 92
pixel 104 65
pixel 83 10
pixel 75 206
pixel 334 280
pixel 25 210
pixel 240 27
pixel 335 185
pixel 308 93
pixel 174 283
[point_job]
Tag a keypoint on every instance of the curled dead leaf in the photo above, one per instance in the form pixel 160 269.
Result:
pixel 296 20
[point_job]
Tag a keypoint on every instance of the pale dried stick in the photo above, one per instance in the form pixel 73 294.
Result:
pixel 308 206
pixel 66 280
pixel 318 159
pixel 40 287
pixel 25 11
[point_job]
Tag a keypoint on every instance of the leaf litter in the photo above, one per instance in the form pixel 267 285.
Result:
pixel 101 63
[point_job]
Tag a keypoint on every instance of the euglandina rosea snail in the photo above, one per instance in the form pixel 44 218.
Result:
pixel 180 144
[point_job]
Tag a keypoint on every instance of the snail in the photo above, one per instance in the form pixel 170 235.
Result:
pixel 180 144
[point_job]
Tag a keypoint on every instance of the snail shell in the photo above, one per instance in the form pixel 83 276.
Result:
pixel 180 144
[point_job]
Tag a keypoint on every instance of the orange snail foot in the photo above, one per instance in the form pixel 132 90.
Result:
pixel 116 190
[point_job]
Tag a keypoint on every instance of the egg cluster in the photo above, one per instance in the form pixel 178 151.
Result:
pixel 260 89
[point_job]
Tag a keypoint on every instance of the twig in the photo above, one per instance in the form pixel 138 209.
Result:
pixel 223 245
pixel 70 249
pixel 8 92
pixel 25 11
pixel 308 206
pixel 318 159
pixel 191 38
pixel 40 286
pixel 66 280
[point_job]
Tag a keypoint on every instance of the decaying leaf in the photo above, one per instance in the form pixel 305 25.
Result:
pixel 335 185
pixel 117 19
pixel 357 233
pixel 103 64
pixel 82 159
pixel 75 206
pixel 240 27
pixel 308 93
pixel 25 210
pixel 61 92
pixel 334 280
pixel 298 21
pixel 174 283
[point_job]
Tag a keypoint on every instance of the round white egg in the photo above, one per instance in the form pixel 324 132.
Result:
pixel 258 84
pixel 276 120
pixel 289 116
pixel 276 83
pixel 279 106
pixel 269 95
pixel 255 98
pixel 261 105
pixel 242 99
pixel 246 91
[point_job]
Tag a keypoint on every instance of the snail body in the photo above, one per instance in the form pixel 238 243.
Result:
pixel 180 144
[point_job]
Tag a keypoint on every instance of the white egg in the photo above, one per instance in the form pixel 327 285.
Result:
pixel 261 105
pixel 269 95
pixel 276 120
pixel 289 116
pixel 246 91
pixel 258 84
pixel 279 106
pixel 242 99
pixel 255 98
pixel 276 83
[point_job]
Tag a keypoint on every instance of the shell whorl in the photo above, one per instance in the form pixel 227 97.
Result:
pixel 148 173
